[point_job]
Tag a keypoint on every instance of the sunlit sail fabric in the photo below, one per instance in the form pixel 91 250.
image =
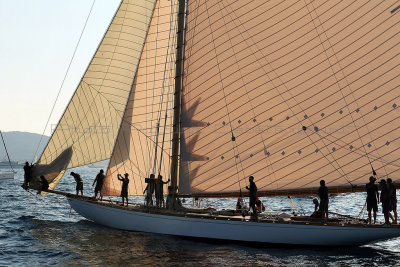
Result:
pixel 150 100
pixel 289 92
pixel 90 123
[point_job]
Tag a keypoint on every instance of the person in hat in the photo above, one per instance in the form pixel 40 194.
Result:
pixel 385 200
pixel 124 189
pixel 252 195
pixel 372 198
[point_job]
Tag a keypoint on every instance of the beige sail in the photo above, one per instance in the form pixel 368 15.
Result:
pixel 290 92
pixel 90 123
pixel 151 98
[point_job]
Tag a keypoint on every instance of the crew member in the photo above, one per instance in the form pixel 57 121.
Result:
pixel 99 180
pixel 124 189
pixel 372 198
pixel 79 183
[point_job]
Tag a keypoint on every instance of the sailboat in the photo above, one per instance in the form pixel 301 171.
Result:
pixel 6 174
pixel 208 93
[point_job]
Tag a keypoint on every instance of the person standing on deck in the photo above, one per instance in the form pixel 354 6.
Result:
pixel 372 198
pixel 159 191
pixel 27 175
pixel 252 195
pixel 393 200
pixel 79 183
pixel 385 199
pixel 150 190
pixel 124 189
pixel 99 180
pixel 323 199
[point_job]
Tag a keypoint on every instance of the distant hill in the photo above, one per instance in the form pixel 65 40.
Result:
pixel 22 146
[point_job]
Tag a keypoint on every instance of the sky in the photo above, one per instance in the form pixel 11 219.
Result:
pixel 38 39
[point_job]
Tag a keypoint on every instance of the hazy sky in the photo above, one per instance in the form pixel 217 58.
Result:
pixel 38 39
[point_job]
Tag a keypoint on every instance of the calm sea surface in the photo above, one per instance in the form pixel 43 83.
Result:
pixel 44 231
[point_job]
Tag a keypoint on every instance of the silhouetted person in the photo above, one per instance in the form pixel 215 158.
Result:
pixel 372 198
pixel 385 200
pixel 252 195
pixel 317 213
pixel 323 199
pixel 150 190
pixel 99 180
pixel 79 183
pixel 159 191
pixel 27 175
pixel 124 189
pixel 44 185
pixel 393 200
pixel 259 205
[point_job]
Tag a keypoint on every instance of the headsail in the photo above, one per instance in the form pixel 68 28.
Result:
pixel 290 92
pixel 91 120
pixel 151 99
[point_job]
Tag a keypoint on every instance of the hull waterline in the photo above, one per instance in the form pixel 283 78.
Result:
pixel 244 231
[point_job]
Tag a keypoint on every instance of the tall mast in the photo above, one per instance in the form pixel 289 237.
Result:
pixel 177 101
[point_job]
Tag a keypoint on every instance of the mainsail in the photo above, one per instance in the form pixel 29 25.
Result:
pixel 87 130
pixel 289 92
pixel 144 137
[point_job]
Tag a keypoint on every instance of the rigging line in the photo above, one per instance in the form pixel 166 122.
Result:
pixel 293 112
pixel 349 123
pixel 311 163
pixel 337 82
pixel 268 161
pixel 8 156
pixel 263 30
pixel 314 84
pixel 248 97
pixel 99 93
pixel 153 96
pixel 324 155
pixel 91 113
pixel 311 48
pixel 65 76
pixel 146 90
pixel 349 163
pixel 234 144
pixel 326 89
pixel 133 81
pixel 162 99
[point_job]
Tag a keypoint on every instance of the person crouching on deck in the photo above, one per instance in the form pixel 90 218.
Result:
pixel 44 185
pixel 124 189
pixel 259 205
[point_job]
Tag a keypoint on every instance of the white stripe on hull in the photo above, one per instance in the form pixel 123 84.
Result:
pixel 278 233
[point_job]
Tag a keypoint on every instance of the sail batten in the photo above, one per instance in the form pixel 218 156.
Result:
pixel 290 93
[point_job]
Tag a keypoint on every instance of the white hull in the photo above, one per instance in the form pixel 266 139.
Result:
pixel 6 175
pixel 278 233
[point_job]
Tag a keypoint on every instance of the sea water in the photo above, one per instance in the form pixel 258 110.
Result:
pixel 38 230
